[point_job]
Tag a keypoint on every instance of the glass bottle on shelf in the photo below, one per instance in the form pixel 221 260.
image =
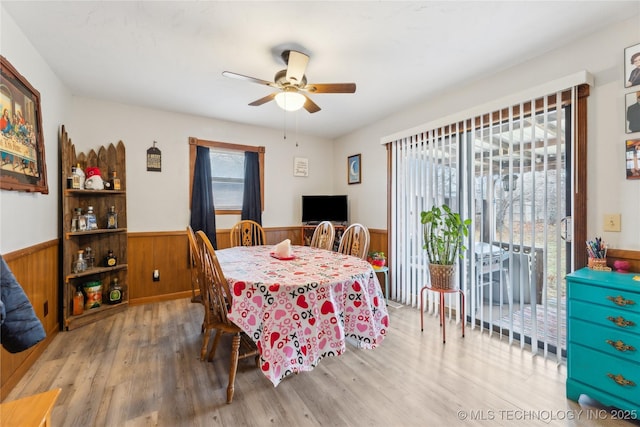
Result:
pixel 114 182
pixel 110 260
pixel 92 223
pixel 115 292
pixel 77 177
pixel 79 264
pixel 82 220
pixel 112 218
pixel 78 302
pixel 89 257
pixel 75 219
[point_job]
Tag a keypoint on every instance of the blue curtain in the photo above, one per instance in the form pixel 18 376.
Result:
pixel 251 206
pixel 202 210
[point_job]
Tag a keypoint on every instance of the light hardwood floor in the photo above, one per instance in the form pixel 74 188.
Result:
pixel 141 368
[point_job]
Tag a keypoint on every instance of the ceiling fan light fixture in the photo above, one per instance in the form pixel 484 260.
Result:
pixel 290 101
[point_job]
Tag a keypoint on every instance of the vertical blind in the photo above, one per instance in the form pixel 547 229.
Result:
pixel 508 169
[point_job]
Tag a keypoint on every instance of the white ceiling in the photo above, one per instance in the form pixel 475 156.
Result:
pixel 171 54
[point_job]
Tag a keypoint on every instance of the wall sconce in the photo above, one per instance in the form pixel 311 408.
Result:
pixel 290 100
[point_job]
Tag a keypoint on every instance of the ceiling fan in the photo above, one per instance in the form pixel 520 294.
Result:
pixel 291 82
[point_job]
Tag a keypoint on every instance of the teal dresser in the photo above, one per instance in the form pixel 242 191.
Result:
pixel 603 328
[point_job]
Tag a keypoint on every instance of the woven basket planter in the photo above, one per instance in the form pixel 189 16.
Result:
pixel 442 276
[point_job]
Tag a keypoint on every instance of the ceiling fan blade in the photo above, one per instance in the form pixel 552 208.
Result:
pixel 296 66
pixel 310 106
pixel 247 78
pixel 263 100
pixel 330 87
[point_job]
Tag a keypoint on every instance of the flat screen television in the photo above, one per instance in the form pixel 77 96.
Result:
pixel 316 209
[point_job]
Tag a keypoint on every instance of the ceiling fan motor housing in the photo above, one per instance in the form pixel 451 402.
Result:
pixel 281 80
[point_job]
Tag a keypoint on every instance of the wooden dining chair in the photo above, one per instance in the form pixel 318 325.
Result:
pixel 323 236
pixel 217 300
pixel 194 266
pixel 355 241
pixel 247 233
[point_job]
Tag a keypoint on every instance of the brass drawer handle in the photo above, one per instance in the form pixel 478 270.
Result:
pixel 621 321
pixel 620 380
pixel 621 301
pixel 620 346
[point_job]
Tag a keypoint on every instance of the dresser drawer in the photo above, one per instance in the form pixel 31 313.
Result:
pixel 625 320
pixel 614 342
pixel 606 296
pixel 607 373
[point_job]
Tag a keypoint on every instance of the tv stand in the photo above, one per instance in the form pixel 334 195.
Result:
pixel 308 229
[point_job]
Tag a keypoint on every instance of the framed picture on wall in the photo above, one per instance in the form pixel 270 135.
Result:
pixel 632 66
pixel 354 172
pixel 22 164
pixel 632 112
pixel 300 166
pixel 632 158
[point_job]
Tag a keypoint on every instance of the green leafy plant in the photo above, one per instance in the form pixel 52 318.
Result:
pixel 444 233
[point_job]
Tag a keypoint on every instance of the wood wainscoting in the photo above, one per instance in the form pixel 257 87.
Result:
pixel 633 257
pixel 167 252
pixel 36 269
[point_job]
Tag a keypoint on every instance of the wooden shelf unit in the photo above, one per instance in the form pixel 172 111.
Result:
pixel 107 159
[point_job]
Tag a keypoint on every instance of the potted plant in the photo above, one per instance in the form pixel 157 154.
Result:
pixel 444 233
pixel 377 259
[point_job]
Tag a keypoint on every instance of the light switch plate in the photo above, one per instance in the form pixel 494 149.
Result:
pixel 611 222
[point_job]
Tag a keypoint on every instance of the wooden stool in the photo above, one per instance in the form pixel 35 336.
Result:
pixel 441 292
pixel 29 411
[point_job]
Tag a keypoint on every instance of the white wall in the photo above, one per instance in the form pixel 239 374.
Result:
pixel 159 201
pixel 156 201
pixel 608 189
pixel 27 219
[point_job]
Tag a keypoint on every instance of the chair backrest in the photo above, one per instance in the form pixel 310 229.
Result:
pixel 247 233
pixel 217 295
pixel 194 263
pixel 355 241
pixel 323 236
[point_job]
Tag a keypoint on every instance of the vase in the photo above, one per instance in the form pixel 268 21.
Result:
pixel 378 263
pixel 442 276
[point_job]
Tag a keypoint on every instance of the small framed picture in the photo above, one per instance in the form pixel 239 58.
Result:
pixel 632 112
pixel 354 171
pixel 300 166
pixel 632 158
pixel 632 66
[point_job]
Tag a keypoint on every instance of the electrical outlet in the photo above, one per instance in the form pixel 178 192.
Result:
pixel 156 275
pixel 611 222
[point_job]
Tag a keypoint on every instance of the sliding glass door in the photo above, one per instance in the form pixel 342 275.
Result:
pixel 510 171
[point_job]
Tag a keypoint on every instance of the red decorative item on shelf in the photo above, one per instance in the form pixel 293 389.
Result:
pixel 621 266
pixel 377 259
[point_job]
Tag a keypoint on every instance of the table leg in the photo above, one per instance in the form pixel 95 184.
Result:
pixel 421 308
pixel 462 319
pixel 386 286
pixel 444 340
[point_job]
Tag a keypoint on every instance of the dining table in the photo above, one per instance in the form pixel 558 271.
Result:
pixel 301 308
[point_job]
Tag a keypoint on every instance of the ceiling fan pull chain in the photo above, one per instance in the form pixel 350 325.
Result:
pixel 296 113
pixel 284 123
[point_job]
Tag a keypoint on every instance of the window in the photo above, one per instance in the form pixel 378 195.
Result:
pixel 227 173
pixel 227 178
